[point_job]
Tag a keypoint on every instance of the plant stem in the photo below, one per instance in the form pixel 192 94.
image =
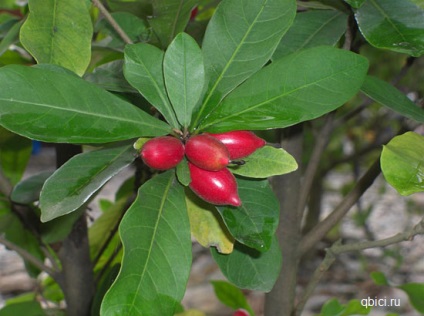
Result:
pixel 338 248
pixel 280 301
pixel 29 257
pixel 112 21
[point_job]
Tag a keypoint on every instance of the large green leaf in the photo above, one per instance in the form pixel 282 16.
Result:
pixel 415 292
pixel 30 308
pixel 15 152
pixel 402 163
pixel 170 17
pixel 397 25
pixel 255 221
pixel 231 296
pixel 250 269
pixel 144 71
pixel 155 233
pixel 55 106
pixel 295 88
pixel 206 224
pixel 59 32
pixel 240 38
pixel 310 29
pixel 184 76
pixel 266 162
pixel 80 177
pixel 384 93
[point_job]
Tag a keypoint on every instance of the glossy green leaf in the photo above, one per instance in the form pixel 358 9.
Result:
pixel 240 38
pixel 266 162
pixel 144 71
pixel 183 173
pixel 415 292
pixel 355 3
pixel 295 88
pixel 15 152
pixel 59 228
pixel 59 32
pixel 310 29
pixel 58 107
pixel 80 177
pixel 384 93
pixel 28 190
pixel 397 25
pixel 206 224
pixel 402 163
pixel 231 296
pixel 184 74
pixel 155 232
pixel 170 17
pixel 31 308
pixel 248 268
pixel 255 221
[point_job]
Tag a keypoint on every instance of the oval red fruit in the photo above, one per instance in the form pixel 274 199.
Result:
pixel 162 153
pixel 215 187
pixel 241 312
pixel 240 143
pixel 207 152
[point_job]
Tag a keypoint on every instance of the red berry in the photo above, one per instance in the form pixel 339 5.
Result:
pixel 215 187
pixel 241 312
pixel 207 152
pixel 162 153
pixel 240 143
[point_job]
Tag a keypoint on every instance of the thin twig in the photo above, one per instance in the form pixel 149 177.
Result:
pixel 322 228
pixel 112 22
pixel 29 257
pixel 314 162
pixel 338 248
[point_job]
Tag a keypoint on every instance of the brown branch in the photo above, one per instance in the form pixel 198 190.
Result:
pixel 338 248
pixel 29 257
pixel 319 231
pixel 112 21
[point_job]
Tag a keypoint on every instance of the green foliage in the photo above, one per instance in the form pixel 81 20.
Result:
pixel 335 308
pixel 402 163
pixel 59 32
pixel 231 296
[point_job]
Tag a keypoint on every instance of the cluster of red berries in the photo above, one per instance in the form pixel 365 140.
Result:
pixel 208 156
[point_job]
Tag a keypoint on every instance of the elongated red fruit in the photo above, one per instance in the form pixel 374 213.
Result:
pixel 215 187
pixel 207 152
pixel 162 153
pixel 240 143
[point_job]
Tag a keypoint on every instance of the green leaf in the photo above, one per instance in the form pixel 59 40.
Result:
pixel 80 177
pixel 255 221
pixel 57 107
pixel 15 152
pixel 334 308
pixel 28 190
pixel 6 215
pixel 266 162
pixel 355 3
pixel 248 268
pixel 59 228
pixel 240 38
pixel 294 89
pixel 384 93
pixel 206 224
pixel 397 25
pixel 184 74
pixel 310 29
pixel 402 163
pixel 170 17
pixel 11 37
pixel 183 173
pixel 25 308
pixel 379 278
pixel 59 32
pixel 155 232
pixel 415 292
pixel 231 296
pixel 144 71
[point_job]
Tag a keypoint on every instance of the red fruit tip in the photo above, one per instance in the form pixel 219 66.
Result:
pixel 235 201
pixel 241 312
